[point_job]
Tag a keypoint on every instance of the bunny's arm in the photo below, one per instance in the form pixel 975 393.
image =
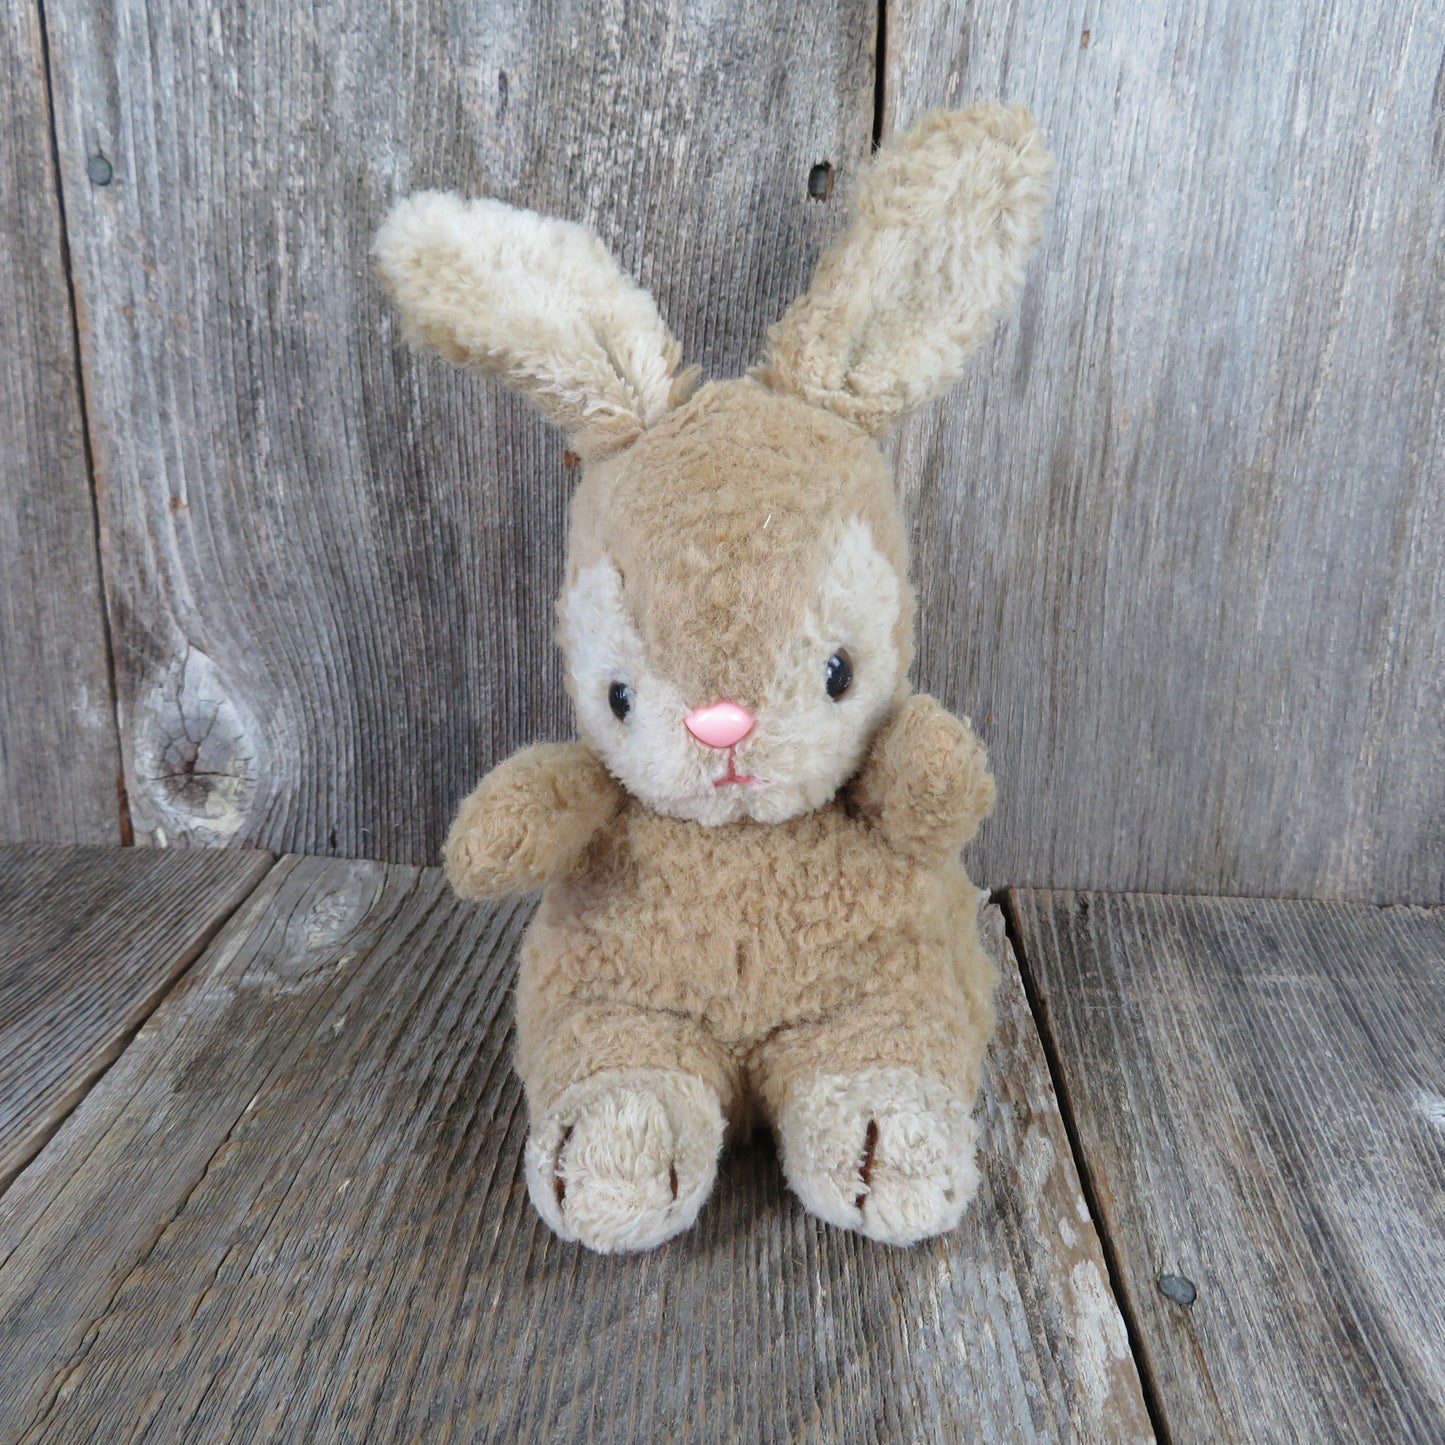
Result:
pixel 925 781
pixel 529 820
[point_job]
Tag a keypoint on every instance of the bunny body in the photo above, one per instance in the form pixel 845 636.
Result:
pixel 757 958
pixel 753 902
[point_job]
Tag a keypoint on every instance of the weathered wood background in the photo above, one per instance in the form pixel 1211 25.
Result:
pixel 1181 536
pixel 59 762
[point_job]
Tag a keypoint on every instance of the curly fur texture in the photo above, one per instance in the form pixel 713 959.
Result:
pixel 780 928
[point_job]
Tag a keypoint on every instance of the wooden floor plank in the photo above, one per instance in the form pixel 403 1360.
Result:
pixel 91 1206
pixel 1259 1091
pixel 346 1250
pixel 90 939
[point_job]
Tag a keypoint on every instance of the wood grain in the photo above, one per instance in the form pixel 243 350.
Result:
pixel 93 1203
pixel 331 563
pixel 1181 537
pixel 59 759
pixel 1259 1090
pixel 339 1243
pixel 90 939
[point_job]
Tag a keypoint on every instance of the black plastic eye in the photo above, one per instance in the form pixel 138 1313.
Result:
pixel 619 699
pixel 840 674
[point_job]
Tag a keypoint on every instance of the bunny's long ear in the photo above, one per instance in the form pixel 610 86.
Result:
pixel 944 219
pixel 537 302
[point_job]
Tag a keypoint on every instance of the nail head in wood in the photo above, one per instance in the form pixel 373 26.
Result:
pixel 99 170
pixel 820 181
pixel 1177 1288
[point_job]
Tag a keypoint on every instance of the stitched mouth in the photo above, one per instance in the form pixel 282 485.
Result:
pixel 732 775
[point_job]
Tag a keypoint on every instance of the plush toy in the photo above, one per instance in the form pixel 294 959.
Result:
pixel 754 907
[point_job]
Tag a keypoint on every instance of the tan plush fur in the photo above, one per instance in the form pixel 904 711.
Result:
pixel 779 929
pixel 944 223
pixel 538 302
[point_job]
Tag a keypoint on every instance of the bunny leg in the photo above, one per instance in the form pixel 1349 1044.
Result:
pixel 872 1111
pixel 627 1115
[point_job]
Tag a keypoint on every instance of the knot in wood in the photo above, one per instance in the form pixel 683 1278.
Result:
pixel 196 750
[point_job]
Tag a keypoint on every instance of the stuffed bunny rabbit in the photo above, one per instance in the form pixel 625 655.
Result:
pixel 754 905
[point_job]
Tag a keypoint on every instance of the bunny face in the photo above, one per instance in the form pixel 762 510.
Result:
pixel 736 617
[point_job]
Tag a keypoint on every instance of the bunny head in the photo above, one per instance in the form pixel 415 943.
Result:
pixel 737 618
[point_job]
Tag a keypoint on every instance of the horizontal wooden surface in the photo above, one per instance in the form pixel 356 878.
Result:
pixel 1180 536
pixel 1259 1091
pixel 294 1209
pixel 59 759
pixel 90 939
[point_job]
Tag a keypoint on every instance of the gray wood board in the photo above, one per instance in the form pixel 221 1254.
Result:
pixel 331 563
pixel 1259 1091
pixel 90 939
pixel 295 1209
pixel 59 760
pixel 1181 535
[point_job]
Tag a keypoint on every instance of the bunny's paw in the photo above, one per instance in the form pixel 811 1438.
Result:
pixel 624 1160
pixel 884 1151
pixel 528 820
pixel 926 781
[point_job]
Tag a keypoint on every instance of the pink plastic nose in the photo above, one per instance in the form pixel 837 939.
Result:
pixel 721 725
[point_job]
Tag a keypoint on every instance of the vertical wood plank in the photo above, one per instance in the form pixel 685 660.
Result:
pixel 333 563
pixel 59 759
pixel 1182 534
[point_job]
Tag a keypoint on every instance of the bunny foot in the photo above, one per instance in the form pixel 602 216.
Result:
pixel 625 1159
pixel 884 1151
